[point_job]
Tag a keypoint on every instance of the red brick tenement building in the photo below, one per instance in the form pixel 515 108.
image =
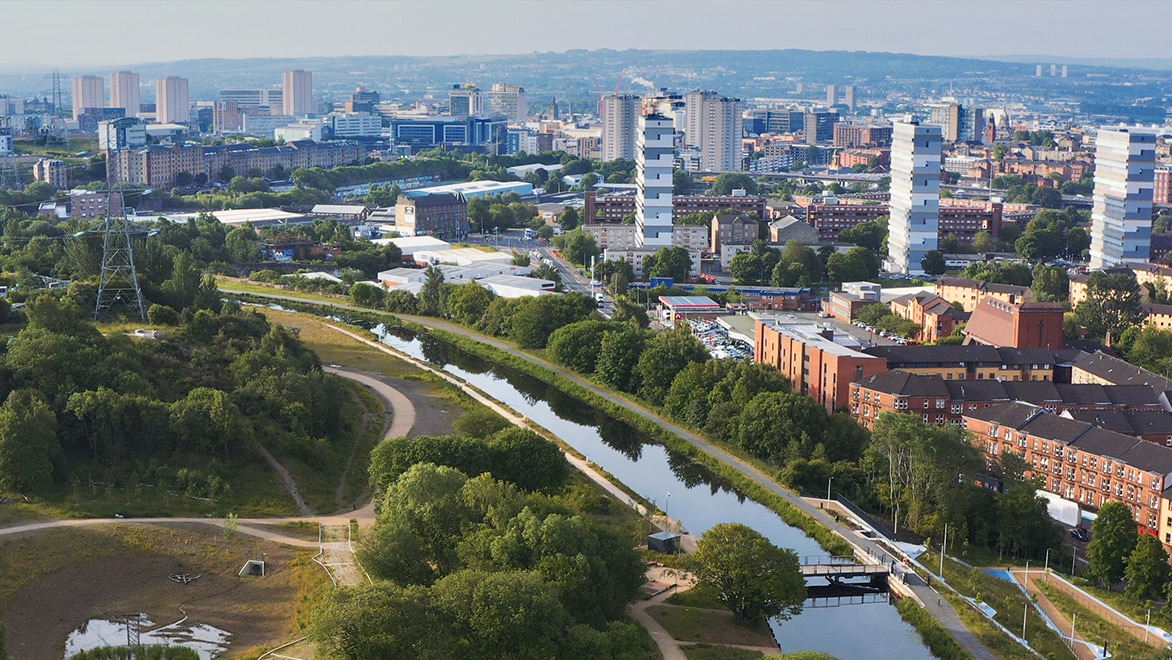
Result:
pixel 1080 462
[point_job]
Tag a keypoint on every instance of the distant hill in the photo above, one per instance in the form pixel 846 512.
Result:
pixel 579 76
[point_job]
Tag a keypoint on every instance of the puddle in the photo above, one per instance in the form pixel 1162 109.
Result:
pixel 207 641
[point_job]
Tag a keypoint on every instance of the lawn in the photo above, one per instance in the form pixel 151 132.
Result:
pixel 714 652
pixel 1092 627
pixel 695 624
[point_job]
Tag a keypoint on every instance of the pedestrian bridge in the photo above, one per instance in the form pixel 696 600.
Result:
pixel 847 581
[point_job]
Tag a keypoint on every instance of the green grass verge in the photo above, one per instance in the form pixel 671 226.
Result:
pixel 717 652
pixel 1097 630
pixel 695 624
pixel 1009 601
pixel 941 644
pixel 701 595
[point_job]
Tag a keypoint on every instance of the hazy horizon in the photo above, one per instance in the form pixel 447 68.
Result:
pixel 132 32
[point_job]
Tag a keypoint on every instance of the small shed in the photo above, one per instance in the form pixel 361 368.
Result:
pixel 665 542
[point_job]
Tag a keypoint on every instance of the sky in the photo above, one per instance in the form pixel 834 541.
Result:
pixel 41 34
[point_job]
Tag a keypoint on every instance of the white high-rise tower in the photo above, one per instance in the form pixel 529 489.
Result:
pixel 655 153
pixel 125 92
pixel 297 92
pixel 88 92
pixel 620 123
pixel 715 126
pixel 172 102
pixel 1121 214
pixel 915 196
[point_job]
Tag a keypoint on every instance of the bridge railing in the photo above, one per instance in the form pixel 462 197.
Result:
pixel 820 560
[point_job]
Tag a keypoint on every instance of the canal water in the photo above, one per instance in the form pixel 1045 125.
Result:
pixel 686 491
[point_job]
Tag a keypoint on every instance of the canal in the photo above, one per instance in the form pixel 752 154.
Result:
pixel 686 491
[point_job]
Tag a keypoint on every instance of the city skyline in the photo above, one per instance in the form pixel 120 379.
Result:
pixel 996 29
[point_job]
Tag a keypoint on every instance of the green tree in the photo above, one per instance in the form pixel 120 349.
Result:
pixel 366 295
pixel 467 303
pixel 673 262
pixel 570 218
pixel 1113 304
pixel 730 181
pixel 856 264
pixel 1112 543
pixel 1147 571
pixel 534 319
pixel 431 294
pixel 381 620
pixel 28 442
pixel 1077 241
pixel 870 235
pixel 933 263
pixel 577 345
pixel 681 182
pixel 666 355
pixel 752 577
pixel 1025 529
pixel 578 246
pixel 804 256
pixel 514 614
pixel 619 356
pixel 1051 283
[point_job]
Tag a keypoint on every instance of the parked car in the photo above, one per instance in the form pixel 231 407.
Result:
pixel 1080 534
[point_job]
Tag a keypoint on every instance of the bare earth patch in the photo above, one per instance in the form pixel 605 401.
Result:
pixel 52 581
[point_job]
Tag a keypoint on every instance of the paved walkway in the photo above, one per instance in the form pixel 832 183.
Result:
pixel 669 648
pixel 939 607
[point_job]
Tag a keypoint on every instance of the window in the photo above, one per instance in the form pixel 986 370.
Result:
pixel 940 403
pixel 925 404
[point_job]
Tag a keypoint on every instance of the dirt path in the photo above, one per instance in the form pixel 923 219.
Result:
pixel 290 483
pixel 669 648
pixel 337 556
pixel 1063 620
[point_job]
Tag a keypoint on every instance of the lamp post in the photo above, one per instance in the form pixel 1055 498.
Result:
pixel 1024 611
pixel 943 547
pixel 1047 564
pixel 828 482
pixel 667 505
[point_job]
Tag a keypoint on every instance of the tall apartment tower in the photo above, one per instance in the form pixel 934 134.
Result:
pixel 715 126
pixel 1121 214
pixel 172 102
pixel 297 93
pixel 958 123
pixel 915 196
pixel 831 95
pixel 654 155
pixel 848 93
pixel 465 101
pixel 125 92
pixel 508 100
pixel 88 92
pixel 620 123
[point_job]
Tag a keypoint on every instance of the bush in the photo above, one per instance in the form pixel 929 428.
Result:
pixel 162 315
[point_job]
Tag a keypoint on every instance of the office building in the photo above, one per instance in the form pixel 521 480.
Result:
pixel 819 126
pixel 915 196
pixel 465 101
pixel 762 120
pixel 172 103
pixel 654 157
pixel 1121 213
pixel 620 123
pixel 473 131
pixel 356 124
pixel 297 93
pixel 363 100
pixel 88 92
pixel 507 100
pixel 125 92
pixel 714 126
pixel 958 123
pixel 227 117
pixel 121 133
pixel 255 98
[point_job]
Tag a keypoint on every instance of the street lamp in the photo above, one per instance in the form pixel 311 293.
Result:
pixel 828 481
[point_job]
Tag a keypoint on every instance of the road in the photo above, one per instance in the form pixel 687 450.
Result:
pixel 937 606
